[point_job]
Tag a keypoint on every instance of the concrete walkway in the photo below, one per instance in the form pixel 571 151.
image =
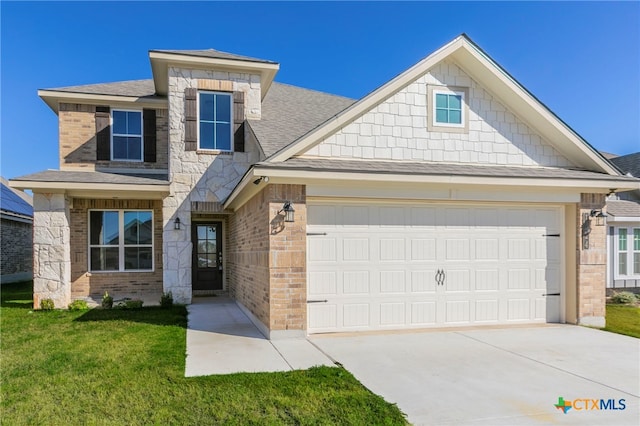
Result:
pixel 222 340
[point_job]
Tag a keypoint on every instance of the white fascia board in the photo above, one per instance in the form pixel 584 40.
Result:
pixel 618 219
pixel 160 61
pixel 92 189
pixel 366 103
pixel 53 98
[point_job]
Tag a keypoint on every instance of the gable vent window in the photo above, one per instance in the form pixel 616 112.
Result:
pixel 215 121
pixel 447 109
pixel 126 140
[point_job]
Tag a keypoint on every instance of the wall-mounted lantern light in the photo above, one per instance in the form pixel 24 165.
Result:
pixel 288 211
pixel 599 215
pixel 176 223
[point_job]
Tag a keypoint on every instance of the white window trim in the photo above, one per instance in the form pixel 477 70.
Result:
pixel 445 91
pixel 629 251
pixel 141 160
pixel 121 244
pixel 214 150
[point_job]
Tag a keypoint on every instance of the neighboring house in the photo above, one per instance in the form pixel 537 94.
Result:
pixel 449 196
pixel 623 223
pixel 16 235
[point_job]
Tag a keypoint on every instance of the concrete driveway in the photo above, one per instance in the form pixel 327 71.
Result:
pixel 504 376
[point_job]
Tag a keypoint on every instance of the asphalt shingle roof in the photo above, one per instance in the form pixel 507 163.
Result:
pixel 439 169
pixel 137 88
pixel 212 53
pixel 95 177
pixel 11 201
pixel 623 208
pixel 289 112
pixel 628 163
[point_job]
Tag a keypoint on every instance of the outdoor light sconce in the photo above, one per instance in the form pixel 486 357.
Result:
pixel 288 211
pixel 176 224
pixel 599 216
pixel 264 179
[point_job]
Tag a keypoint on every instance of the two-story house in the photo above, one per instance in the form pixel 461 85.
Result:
pixel 448 196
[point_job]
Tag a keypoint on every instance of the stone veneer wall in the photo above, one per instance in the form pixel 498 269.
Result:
pixel 16 256
pixel 51 255
pixel 77 127
pixel 591 267
pixel 396 129
pixel 92 285
pixel 199 175
pixel 267 259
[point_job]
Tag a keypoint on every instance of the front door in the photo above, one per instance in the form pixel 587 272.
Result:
pixel 207 256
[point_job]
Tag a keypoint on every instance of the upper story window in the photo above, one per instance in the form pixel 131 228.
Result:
pixel 448 109
pixel 126 135
pixel 215 121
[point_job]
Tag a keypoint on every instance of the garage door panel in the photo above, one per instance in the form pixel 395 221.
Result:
pixel 376 266
pixel 356 282
pixel 423 281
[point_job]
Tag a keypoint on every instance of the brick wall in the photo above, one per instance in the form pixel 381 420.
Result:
pixel 16 255
pixel 591 265
pixel 248 256
pixel 119 284
pixel 287 259
pixel 77 132
pixel 267 258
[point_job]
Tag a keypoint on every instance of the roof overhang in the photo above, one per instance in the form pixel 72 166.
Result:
pixel 53 98
pixel 161 61
pixel 95 190
pixel 247 187
pixel 493 77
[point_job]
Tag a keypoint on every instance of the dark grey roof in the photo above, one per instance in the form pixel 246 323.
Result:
pixel 629 163
pixel 212 53
pixel 623 208
pixel 14 201
pixel 289 112
pixel 438 169
pixel 95 177
pixel 137 88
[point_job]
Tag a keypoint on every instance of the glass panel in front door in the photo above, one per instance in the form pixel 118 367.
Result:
pixel 207 247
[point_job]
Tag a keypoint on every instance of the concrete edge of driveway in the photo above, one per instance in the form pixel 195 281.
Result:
pixel 221 339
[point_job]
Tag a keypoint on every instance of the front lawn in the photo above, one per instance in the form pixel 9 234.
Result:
pixel 127 367
pixel 623 319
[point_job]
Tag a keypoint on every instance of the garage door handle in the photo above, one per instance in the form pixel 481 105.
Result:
pixel 317 301
pixel 440 277
pixel 552 294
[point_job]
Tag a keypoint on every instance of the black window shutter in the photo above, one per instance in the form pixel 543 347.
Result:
pixel 149 120
pixel 238 121
pixel 103 133
pixel 191 119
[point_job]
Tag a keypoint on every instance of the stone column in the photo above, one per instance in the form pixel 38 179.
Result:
pixel 591 265
pixel 287 263
pixel 51 249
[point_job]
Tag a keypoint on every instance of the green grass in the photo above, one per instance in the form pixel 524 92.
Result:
pixel 623 319
pixel 127 367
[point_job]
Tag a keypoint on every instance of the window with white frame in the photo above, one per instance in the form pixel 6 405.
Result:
pixel 215 121
pixel 627 253
pixel 447 109
pixel 120 240
pixel 126 135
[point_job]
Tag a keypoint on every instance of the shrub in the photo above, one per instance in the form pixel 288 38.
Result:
pixel 133 304
pixel 47 305
pixel 78 305
pixel 624 297
pixel 107 301
pixel 166 301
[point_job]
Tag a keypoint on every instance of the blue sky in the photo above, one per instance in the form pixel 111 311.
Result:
pixel 581 59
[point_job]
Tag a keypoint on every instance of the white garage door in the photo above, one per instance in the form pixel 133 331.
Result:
pixel 376 267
